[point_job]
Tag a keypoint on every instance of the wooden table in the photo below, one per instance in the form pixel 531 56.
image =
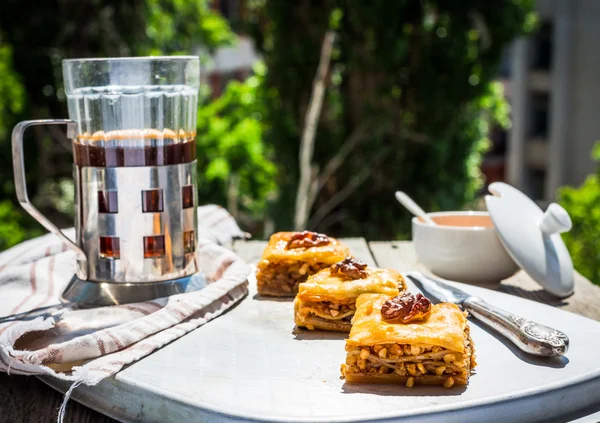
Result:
pixel 27 399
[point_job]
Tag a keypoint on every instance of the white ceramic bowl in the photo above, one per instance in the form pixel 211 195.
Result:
pixel 471 254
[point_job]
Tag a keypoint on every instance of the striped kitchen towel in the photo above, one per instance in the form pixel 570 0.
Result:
pixel 39 335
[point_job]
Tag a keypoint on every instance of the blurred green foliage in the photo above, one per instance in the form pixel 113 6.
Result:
pixel 583 205
pixel 14 225
pixel 410 82
pixel 12 229
pixel 180 26
pixel 233 165
pixel 411 79
pixel 11 89
pixel 36 36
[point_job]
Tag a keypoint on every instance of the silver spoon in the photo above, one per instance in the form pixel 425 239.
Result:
pixel 413 207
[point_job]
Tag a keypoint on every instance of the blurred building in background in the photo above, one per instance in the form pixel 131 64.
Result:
pixel 551 81
pixel 230 63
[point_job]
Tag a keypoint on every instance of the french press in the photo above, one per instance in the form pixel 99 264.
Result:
pixel 132 123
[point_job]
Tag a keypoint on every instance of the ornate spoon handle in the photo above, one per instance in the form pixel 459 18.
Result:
pixel 531 337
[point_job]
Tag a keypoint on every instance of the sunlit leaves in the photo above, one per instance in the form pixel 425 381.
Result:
pixel 596 152
pixel 182 26
pixel 11 232
pixel 230 143
pixel 12 95
pixel 583 205
pixel 12 102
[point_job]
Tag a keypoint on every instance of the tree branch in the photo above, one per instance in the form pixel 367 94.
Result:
pixel 307 141
pixel 336 161
pixel 345 192
pixel 330 220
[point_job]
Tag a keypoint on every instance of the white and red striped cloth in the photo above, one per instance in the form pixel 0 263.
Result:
pixel 41 336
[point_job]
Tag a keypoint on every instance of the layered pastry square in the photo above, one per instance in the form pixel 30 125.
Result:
pixel 291 257
pixel 407 340
pixel 327 300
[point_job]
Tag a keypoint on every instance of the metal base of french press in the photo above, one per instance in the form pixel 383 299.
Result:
pixel 88 294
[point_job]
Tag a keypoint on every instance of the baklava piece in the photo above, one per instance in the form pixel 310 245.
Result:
pixel 407 340
pixel 327 300
pixel 291 257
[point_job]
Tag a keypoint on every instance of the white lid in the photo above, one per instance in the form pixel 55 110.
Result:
pixel 532 237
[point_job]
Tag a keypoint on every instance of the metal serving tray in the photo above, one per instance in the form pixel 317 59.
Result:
pixel 251 365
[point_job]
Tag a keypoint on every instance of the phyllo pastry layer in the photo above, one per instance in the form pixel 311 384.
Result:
pixel 408 340
pixel 291 257
pixel 327 299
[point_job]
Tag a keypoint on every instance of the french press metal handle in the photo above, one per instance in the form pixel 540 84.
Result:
pixel 21 184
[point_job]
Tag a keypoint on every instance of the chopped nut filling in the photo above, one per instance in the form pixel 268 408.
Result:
pixel 411 361
pixel 282 278
pixel 327 310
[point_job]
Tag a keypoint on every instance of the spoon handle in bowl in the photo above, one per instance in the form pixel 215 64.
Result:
pixel 413 207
